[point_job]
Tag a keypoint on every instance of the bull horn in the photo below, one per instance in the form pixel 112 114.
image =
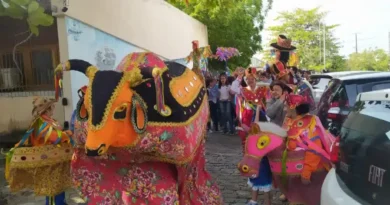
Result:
pixel 78 65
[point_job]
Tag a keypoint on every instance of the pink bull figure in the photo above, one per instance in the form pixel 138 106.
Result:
pixel 268 139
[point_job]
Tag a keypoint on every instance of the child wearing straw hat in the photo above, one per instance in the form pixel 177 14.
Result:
pixel 41 159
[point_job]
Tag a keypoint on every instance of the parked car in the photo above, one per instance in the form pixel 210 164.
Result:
pixel 340 96
pixel 361 171
pixel 320 82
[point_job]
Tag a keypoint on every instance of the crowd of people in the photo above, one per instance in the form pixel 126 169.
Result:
pixel 223 90
pixel 280 94
pixel 153 116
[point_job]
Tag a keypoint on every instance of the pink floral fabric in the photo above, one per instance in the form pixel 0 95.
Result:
pixel 123 177
pixel 174 144
pixel 169 142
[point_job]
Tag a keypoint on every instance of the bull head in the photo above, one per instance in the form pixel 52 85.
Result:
pixel 116 114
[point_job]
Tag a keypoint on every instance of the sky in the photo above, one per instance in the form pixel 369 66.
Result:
pixel 369 18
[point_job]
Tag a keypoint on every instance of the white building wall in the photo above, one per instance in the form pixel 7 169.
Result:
pixel 103 32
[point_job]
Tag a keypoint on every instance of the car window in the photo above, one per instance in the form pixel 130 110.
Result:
pixel 345 94
pixel 332 87
pixel 320 83
pixel 381 86
pixel 351 94
pixel 352 90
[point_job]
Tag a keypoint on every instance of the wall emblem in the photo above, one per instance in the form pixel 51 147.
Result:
pixel 74 29
pixel 105 58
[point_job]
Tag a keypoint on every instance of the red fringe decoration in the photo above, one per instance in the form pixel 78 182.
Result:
pixel 58 85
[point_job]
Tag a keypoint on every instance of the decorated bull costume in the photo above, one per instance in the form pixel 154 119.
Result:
pixel 153 115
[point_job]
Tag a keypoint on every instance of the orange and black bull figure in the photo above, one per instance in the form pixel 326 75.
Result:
pixel 121 107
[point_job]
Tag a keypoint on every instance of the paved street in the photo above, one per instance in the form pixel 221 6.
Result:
pixel 223 153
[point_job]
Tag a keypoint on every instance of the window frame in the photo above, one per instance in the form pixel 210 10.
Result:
pixel 30 83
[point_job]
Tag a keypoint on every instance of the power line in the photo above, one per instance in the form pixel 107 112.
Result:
pixel 361 39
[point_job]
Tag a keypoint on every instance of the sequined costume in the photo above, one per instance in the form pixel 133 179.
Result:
pixel 147 125
pixel 307 132
pixel 247 101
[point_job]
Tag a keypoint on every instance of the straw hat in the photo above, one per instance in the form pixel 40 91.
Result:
pixel 40 105
pixel 283 44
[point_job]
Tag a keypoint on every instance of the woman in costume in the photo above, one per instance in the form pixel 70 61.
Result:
pixel 249 96
pixel 41 160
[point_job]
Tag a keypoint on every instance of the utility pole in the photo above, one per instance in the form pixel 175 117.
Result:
pixel 324 26
pixel 389 53
pixel 319 40
pixel 356 44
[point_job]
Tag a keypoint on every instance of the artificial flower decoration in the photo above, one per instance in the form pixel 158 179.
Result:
pixel 225 53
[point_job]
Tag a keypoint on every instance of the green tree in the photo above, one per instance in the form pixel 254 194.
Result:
pixel 306 29
pixel 28 10
pixel 371 59
pixel 235 24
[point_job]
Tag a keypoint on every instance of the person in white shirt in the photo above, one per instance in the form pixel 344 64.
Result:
pixel 224 104
pixel 236 85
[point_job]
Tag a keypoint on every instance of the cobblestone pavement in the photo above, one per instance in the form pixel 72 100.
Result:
pixel 223 154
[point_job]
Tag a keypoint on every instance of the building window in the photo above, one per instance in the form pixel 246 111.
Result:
pixel 42 67
pixel 37 69
pixel 10 78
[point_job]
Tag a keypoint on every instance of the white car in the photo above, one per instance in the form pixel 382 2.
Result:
pixel 361 155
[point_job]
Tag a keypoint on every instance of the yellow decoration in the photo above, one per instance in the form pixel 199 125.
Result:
pixel 293 60
pixel 91 71
pixel 263 142
pixel 254 129
pixel 45 169
pixel 185 88
pixel 245 168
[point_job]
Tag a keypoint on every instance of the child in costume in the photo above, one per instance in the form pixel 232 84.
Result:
pixel 41 160
pixel 306 132
pixel 251 106
pixel 262 183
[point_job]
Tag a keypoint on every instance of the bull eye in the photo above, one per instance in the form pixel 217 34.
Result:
pixel 245 168
pixel 120 112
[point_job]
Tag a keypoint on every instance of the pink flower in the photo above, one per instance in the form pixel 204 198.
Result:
pixel 145 142
pixel 151 175
pixel 168 199
pixel 107 200
pixel 138 171
pixel 165 147
pixel 144 177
